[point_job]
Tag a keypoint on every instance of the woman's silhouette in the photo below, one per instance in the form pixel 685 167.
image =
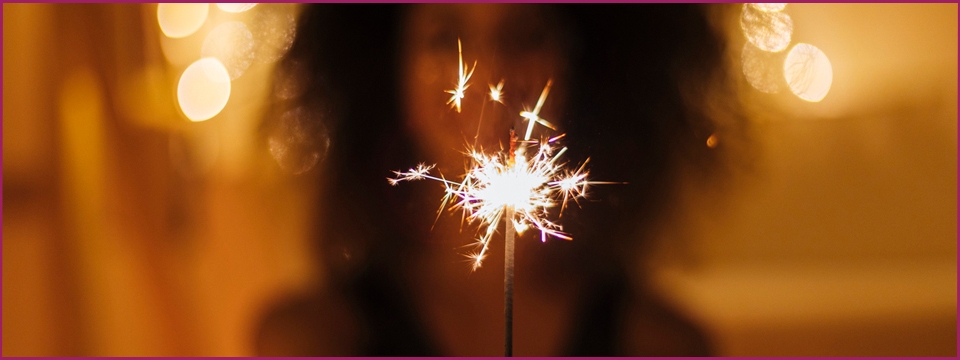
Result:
pixel 632 85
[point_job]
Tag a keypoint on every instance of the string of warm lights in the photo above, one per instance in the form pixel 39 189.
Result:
pixel 234 37
pixel 805 69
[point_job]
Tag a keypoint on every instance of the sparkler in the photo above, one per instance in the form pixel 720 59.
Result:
pixel 533 117
pixel 515 189
pixel 519 187
pixel 502 181
pixel 496 93
pixel 457 93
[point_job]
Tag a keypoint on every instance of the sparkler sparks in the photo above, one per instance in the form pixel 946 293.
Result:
pixel 457 93
pixel 496 93
pixel 421 172
pixel 508 186
pixel 498 181
pixel 533 117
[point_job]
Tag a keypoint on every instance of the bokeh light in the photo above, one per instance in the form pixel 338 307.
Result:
pixel 274 27
pixel 236 7
pixel 232 44
pixel 769 31
pixel 761 68
pixel 181 20
pixel 204 89
pixel 288 81
pixel 769 7
pixel 713 141
pixel 808 72
pixel 299 140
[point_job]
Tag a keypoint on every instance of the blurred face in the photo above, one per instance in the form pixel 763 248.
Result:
pixel 521 45
pixel 516 44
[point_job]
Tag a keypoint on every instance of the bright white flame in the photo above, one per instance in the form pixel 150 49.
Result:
pixel 181 20
pixel 808 72
pixel 769 31
pixel 495 182
pixel 204 89
pixel 232 44
pixel 236 7
pixel 513 186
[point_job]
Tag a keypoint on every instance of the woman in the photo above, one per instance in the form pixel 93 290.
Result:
pixel 630 87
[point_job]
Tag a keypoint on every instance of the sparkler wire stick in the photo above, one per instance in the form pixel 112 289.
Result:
pixel 508 283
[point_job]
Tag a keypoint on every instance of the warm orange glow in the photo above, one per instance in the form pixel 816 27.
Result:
pixel 180 52
pixel 808 72
pixel 181 20
pixel 769 31
pixel 236 7
pixel 232 44
pixel 204 89
pixel 713 141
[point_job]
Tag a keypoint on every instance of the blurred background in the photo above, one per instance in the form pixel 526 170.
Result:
pixel 147 212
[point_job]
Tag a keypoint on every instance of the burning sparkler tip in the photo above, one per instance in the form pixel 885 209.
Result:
pixel 527 179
